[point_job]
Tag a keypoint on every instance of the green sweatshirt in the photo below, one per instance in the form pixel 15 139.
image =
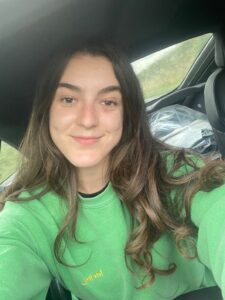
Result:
pixel 27 263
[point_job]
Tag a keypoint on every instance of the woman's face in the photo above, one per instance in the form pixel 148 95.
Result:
pixel 86 115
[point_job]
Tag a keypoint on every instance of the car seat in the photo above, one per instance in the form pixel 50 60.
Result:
pixel 57 292
pixel 211 293
pixel 214 94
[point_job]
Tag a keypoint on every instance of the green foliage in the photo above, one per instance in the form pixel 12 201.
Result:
pixel 168 71
pixel 9 157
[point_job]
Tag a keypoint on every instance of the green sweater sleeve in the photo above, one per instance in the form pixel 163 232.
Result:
pixel 208 214
pixel 23 274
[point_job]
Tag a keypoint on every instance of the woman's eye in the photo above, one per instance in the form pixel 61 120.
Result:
pixel 68 100
pixel 109 103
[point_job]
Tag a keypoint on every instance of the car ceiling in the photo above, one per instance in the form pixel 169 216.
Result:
pixel 32 31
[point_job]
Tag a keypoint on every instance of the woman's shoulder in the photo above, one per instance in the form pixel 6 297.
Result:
pixel 30 226
pixel 207 204
pixel 33 208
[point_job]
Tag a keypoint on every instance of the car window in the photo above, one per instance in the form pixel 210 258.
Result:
pixel 9 158
pixel 164 70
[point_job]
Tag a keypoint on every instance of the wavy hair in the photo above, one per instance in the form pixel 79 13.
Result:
pixel 155 182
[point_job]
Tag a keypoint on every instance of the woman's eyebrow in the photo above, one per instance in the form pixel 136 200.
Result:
pixel 69 86
pixel 110 88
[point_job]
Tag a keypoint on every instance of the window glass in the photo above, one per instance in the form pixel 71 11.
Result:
pixel 9 157
pixel 163 71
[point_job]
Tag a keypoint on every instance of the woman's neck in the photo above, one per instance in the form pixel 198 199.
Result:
pixel 91 180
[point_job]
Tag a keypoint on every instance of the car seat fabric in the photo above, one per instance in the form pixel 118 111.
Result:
pixel 211 293
pixel 220 49
pixel 58 292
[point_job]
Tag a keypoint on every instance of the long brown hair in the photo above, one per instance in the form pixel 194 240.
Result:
pixel 155 182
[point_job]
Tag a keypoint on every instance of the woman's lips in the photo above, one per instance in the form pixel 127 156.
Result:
pixel 86 140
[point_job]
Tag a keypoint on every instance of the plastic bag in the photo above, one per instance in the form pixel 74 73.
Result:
pixel 180 126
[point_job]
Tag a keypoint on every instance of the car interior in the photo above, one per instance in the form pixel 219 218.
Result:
pixel 31 32
pixel 214 94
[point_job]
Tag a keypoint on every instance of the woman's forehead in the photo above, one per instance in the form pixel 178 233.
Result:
pixel 83 69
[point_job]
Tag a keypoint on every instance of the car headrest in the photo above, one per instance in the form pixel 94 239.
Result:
pixel 214 94
pixel 219 50
pixel 215 99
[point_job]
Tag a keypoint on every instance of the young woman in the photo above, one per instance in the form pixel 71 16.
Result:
pixel 101 205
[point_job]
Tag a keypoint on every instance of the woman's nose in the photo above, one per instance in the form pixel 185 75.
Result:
pixel 88 115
